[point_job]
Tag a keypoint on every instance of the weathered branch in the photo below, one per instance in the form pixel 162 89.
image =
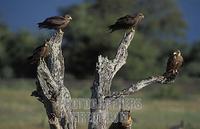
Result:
pixel 138 86
pixel 106 70
pixel 57 99
pixel 55 122
pixel 45 80
pixel 56 60
pixel 50 88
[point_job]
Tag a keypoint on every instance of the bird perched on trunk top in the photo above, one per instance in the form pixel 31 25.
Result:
pixel 174 64
pixel 40 52
pixel 55 22
pixel 126 22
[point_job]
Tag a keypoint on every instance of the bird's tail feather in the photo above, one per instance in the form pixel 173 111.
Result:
pixel 31 60
pixel 111 28
pixel 41 25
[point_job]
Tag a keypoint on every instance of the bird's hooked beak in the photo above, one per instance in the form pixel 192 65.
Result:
pixel 143 16
pixel 177 52
pixel 70 18
pixel 174 53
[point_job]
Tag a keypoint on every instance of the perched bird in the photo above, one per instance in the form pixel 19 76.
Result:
pixel 40 52
pixel 179 126
pixel 174 64
pixel 55 22
pixel 124 120
pixel 126 22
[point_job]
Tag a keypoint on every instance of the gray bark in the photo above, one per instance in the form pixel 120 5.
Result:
pixel 57 99
pixel 106 70
pixel 50 88
pixel 137 86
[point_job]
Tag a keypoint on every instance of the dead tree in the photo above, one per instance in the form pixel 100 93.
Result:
pixel 56 97
pixel 105 71
pixel 50 87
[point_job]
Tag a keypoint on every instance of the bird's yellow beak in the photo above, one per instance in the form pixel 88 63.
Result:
pixel 70 18
pixel 143 16
pixel 174 53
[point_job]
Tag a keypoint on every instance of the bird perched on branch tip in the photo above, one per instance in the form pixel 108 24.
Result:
pixel 39 53
pixel 126 22
pixel 56 22
pixel 174 63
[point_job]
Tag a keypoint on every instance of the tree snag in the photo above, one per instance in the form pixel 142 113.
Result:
pixel 50 87
pixel 56 97
pixel 105 71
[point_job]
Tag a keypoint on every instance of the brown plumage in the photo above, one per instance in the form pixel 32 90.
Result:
pixel 174 64
pixel 55 22
pixel 179 126
pixel 126 22
pixel 122 121
pixel 40 52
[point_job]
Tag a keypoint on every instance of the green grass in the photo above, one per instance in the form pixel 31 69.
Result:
pixel 18 110
pixel 157 114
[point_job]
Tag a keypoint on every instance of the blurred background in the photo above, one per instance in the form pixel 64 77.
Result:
pixel 168 25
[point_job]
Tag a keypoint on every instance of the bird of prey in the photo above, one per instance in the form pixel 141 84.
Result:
pixel 123 120
pixel 55 22
pixel 39 53
pixel 179 126
pixel 126 22
pixel 174 64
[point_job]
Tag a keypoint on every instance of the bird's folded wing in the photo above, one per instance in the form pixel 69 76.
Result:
pixel 125 21
pixel 170 63
pixel 56 20
pixel 122 18
pixel 56 17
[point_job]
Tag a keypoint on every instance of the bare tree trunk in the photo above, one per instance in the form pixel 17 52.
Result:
pixel 57 99
pixel 106 70
pixel 51 90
